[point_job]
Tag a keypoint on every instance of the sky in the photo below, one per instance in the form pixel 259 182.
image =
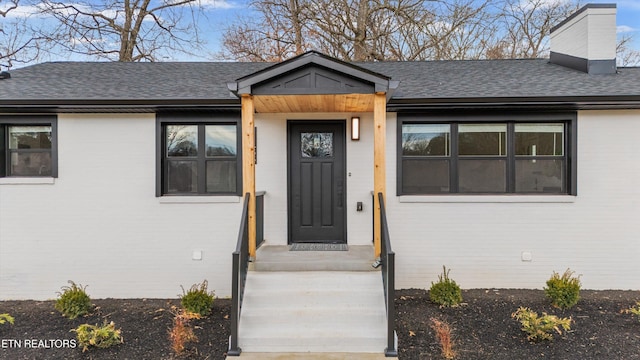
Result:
pixel 628 18
pixel 220 13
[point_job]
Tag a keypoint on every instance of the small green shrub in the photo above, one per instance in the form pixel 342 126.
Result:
pixel 635 310
pixel 540 327
pixel 73 301
pixel 564 291
pixel 198 299
pixel 98 336
pixel 445 292
pixel 4 318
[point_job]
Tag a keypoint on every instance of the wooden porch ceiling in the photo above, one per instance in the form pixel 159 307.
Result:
pixel 314 103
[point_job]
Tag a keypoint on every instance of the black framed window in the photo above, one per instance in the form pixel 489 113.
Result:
pixel 199 155
pixel 521 154
pixel 28 146
pixel 426 158
pixel 540 162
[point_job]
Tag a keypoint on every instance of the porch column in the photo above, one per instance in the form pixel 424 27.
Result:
pixel 379 169
pixel 248 166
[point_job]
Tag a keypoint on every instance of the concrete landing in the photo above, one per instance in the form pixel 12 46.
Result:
pixel 279 258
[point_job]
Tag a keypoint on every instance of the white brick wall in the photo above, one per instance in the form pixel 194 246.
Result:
pixel 595 234
pixel 101 225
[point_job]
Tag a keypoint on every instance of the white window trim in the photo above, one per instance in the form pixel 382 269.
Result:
pixel 199 199
pixel 502 198
pixel 27 181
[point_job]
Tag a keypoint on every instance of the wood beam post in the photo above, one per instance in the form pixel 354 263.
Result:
pixel 379 164
pixel 249 167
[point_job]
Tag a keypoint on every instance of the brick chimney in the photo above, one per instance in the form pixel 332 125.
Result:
pixel 586 40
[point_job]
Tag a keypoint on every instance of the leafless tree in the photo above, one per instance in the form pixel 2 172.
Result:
pixel 627 56
pixel 527 25
pixel 124 30
pixel 346 29
pixel 463 30
pixel 404 30
pixel 364 30
pixel 277 34
pixel 17 42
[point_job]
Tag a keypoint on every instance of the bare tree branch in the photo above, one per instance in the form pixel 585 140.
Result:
pixel 13 5
pixel 527 25
pixel 627 56
pixel 130 29
pixel 18 44
pixel 280 32
pixel 363 30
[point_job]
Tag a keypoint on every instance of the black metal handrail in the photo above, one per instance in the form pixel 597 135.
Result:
pixel 387 258
pixel 239 277
pixel 260 217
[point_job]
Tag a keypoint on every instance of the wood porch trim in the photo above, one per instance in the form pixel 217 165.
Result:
pixel 249 166
pixel 379 163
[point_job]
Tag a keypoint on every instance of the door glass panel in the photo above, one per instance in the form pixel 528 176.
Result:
pixel 426 139
pixel 539 139
pixel 220 140
pixel 316 144
pixel 482 139
pixel 182 140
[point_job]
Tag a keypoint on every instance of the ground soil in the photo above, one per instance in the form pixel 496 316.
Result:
pixel 482 328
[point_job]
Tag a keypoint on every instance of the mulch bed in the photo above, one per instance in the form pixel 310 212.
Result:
pixel 145 325
pixel 482 328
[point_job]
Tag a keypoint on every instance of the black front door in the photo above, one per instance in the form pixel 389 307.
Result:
pixel 317 181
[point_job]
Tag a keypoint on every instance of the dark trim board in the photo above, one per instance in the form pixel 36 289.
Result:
pixel 246 84
pixel 593 67
pixel 313 80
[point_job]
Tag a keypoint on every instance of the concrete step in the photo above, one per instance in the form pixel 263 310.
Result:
pixel 279 258
pixel 310 356
pixel 337 280
pixel 313 312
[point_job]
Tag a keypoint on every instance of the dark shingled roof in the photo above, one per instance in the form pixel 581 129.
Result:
pixel 424 82
pixel 124 81
pixel 503 78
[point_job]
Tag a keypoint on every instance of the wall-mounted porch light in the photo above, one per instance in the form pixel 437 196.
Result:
pixel 355 128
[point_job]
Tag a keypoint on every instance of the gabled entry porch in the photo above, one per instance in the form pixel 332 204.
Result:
pixel 314 90
pixel 316 97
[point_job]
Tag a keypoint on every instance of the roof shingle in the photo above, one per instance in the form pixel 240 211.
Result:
pixel 466 79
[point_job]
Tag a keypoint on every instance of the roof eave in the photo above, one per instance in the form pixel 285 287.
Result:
pixel 394 104
pixel 537 103
pixel 110 106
